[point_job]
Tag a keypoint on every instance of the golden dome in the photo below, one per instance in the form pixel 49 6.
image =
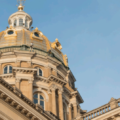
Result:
pixel 14 39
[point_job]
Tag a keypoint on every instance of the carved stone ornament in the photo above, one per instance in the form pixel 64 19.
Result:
pixel 39 37
pixel 56 45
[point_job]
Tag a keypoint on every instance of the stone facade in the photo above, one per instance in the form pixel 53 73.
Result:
pixel 35 80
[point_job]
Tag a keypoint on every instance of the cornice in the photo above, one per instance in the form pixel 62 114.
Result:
pixel 7 76
pixel 77 94
pixel 53 78
pixel 50 79
pixel 24 70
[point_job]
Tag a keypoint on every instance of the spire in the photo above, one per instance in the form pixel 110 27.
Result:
pixel 20 4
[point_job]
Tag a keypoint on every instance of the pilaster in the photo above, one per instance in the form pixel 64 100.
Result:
pixel 70 112
pixel 75 109
pixel 50 101
pixel 17 83
pixel 30 89
pixel 61 115
pixel 54 110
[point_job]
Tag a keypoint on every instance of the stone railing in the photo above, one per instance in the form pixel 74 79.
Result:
pixel 21 48
pixel 113 104
pixel 96 112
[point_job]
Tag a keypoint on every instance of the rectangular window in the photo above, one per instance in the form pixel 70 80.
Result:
pixel 20 22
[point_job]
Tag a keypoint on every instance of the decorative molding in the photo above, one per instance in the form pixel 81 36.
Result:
pixel 24 70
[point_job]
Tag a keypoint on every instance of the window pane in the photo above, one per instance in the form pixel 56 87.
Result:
pixel 10 69
pixel 35 101
pixel 20 22
pixel 41 97
pixel 5 70
pixel 42 104
pixel 26 25
pixel 36 34
pixel 15 23
pixel 40 72
pixel 36 96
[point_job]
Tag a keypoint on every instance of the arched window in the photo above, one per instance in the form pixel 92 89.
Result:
pixel 20 22
pixel 38 98
pixel 15 23
pixel 39 71
pixel 7 69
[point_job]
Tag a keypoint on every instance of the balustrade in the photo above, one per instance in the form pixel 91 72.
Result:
pixel 96 112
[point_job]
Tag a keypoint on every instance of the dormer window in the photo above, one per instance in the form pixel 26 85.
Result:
pixel 36 34
pixel 20 22
pixel 56 45
pixel 10 32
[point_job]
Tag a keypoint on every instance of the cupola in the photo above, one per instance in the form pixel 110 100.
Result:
pixel 20 19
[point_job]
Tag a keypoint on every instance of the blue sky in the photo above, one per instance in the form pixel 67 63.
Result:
pixel 89 31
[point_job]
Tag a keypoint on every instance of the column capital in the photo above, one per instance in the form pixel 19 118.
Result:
pixel 49 92
pixel 60 91
pixel 75 104
pixel 53 87
pixel 30 80
pixel 69 105
pixel 17 80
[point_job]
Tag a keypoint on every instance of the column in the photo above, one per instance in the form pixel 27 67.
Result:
pixel 70 113
pixel 50 101
pixel 1 70
pixel 60 105
pixel 54 110
pixel 30 89
pixel 75 109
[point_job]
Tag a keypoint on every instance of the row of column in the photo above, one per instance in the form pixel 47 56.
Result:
pixel 74 114
pixel 52 101
pixel 54 107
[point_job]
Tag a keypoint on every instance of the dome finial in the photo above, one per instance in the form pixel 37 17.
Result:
pixel 20 4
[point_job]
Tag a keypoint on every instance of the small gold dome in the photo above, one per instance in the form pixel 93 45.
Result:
pixel 20 8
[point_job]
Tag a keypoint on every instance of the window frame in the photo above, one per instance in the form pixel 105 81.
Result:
pixel 8 69
pixel 10 33
pixel 38 73
pixel 36 35
pixel 39 99
pixel 20 22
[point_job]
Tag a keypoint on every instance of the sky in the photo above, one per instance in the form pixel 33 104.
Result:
pixel 89 31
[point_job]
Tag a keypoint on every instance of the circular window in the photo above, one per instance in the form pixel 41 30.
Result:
pixel 10 32
pixel 36 34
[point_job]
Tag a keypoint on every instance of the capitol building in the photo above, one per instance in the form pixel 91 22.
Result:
pixel 36 82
